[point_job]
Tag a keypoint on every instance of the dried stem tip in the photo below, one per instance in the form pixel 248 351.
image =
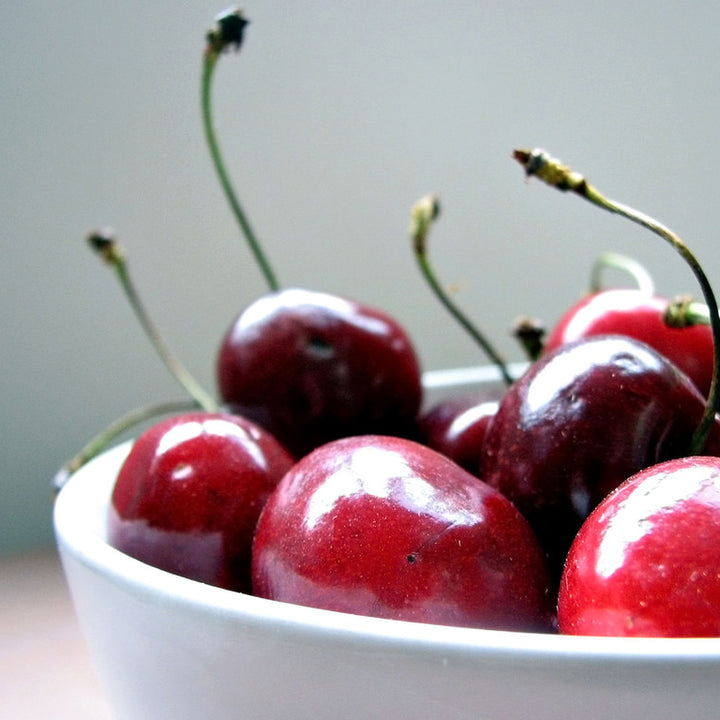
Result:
pixel 540 164
pixel 530 333
pixel 422 215
pixel 227 32
pixel 104 242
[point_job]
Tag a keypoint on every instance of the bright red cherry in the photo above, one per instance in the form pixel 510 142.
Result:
pixel 638 314
pixel 387 527
pixel 188 496
pixel 312 367
pixel 647 560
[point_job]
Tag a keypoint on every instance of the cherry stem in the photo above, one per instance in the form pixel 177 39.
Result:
pixel 95 446
pixel 632 267
pixel 553 172
pixel 105 243
pixel 684 311
pixel 228 32
pixel 423 214
pixel 530 333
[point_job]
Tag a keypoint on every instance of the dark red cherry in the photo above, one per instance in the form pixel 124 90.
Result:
pixel 647 560
pixel 638 314
pixel 456 427
pixel 387 527
pixel 312 367
pixel 188 496
pixel 582 419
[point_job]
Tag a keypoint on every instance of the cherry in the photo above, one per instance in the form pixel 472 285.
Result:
pixel 307 365
pixel 457 426
pixel 633 312
pixel 312 367
pixel 654 411
pixel 646 562
pixel 188 496
pixel 580 421
pixel 387 527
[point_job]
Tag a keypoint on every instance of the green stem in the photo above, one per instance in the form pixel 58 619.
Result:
pixel 218 40
pixel 424 212
pixel 632 267
pixel 114 430
pixel 105 243
pixel 554 173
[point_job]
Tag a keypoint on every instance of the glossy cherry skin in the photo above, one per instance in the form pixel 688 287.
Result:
pixel 188 496
pixel 579 422
pixel 647 560
pixel 313 367
pixel 386 527
pixel 638 314
pixel 456 427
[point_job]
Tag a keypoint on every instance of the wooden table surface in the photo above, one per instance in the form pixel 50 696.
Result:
pixel 45 670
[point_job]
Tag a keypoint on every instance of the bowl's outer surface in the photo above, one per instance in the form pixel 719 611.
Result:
pixel 170 648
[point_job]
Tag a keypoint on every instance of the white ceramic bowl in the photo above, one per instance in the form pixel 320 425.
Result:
pixel 167 648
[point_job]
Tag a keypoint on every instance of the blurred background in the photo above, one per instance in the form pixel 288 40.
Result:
pixel 334 119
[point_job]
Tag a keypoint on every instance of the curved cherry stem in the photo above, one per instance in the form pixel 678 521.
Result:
pixel 122 424
pixel 423 214
pixel 227 33
pixel 629 265
pixel 106 245
pixel 553 172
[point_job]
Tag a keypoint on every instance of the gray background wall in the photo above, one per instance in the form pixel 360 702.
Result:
pixel 334 119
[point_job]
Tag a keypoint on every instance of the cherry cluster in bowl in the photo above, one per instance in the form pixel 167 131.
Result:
pixel 344 493
pixel 582 498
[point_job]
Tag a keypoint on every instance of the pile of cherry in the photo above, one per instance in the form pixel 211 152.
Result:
pixel 461 513
pixel 572 500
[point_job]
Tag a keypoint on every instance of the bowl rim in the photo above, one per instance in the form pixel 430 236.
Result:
pixel 79 521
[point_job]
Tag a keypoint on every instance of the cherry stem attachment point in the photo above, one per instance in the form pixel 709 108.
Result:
pixel 227 33
pixel 551 171
pixel 101 441
pixel 629 265
pixel 424 212
pixel 106 245
pixel 530 333
pixel 684 311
